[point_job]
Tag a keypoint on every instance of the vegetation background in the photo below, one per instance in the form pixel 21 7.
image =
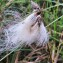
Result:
pixel 52 15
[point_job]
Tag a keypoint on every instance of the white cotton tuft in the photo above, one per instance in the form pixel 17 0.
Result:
pixel 25 33
pixel 43 36
pixel 35 6
pixel 22 33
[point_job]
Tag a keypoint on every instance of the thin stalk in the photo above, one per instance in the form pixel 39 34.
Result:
pixel 54 21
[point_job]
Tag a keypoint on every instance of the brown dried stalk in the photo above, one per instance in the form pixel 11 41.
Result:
pixel 17 56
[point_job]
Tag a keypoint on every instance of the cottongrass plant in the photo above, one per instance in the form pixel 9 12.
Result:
pixel 53 52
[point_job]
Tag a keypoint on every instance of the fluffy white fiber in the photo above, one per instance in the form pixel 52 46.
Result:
pixel 25 33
